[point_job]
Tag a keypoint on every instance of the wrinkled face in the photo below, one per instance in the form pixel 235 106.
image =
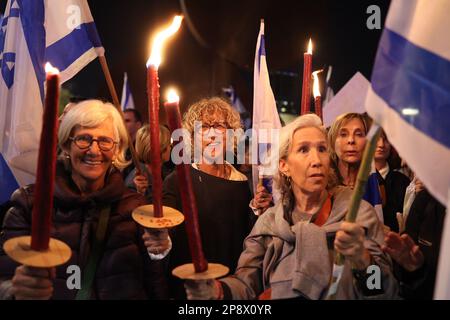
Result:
pixel 213 138
pixel 91 164
pixel 132 125
pixel 350 141
pixel 383 148
pixel 308 161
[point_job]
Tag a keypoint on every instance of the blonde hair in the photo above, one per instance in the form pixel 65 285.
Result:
pixel 334 132
pixel 143 145
pixel 283 183
pixel 90 114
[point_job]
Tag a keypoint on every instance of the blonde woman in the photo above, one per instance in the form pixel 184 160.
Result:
pixel 142 183
pixel 222 192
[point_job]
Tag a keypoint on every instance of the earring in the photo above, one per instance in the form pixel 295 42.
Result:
pixel 66 155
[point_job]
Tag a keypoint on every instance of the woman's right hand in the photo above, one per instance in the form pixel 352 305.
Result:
pixel 141 183
pixel 31 283
pixel 263 200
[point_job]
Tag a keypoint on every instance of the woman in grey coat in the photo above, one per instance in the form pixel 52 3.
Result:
pixel 289 253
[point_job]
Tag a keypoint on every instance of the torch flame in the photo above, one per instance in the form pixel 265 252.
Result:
pixel 172 96
pixel 316 90
pixel 309 46
pixel 50 69
pixel 158 42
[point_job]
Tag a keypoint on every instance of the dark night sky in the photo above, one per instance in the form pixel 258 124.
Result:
pixel 229 28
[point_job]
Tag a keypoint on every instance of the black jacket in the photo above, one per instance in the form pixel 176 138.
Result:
pixel 424 224
pixel 395 186
pixel 125 270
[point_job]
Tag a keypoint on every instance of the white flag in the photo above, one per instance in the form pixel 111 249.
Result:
pixel 265 114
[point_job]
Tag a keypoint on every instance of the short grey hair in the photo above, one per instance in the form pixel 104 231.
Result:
pixel 90 114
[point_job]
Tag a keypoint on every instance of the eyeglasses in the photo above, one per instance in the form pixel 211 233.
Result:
pixel 218 127
pixel 84 141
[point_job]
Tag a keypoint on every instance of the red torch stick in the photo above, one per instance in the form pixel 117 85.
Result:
pixel 45 176
pixel 317 97
pixel 186 191
pixel 153 112
pixel 306 85
pixel 155 150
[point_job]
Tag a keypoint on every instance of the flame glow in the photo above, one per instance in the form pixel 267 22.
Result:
pixel 309 46
pixel 172 96
pixel 50 69
pixel 161 37
pixel 316 90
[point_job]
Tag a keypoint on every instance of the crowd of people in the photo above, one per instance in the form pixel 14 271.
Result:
pixel 275 248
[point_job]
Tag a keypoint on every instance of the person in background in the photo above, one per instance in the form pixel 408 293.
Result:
pixel 392 183
pixel 133 122
pixel 142 183
pixel 416 251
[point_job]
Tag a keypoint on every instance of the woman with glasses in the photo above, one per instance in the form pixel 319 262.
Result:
pixel 222 192
pixel 88 185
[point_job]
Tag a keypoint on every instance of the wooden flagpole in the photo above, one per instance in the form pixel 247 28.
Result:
pixel 116 103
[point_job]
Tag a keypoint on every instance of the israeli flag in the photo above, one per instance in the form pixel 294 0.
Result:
pixel 32 33
pixel 127 98
pixel 372 193
pixel 265 114
pixel 410 98
pixel 72 39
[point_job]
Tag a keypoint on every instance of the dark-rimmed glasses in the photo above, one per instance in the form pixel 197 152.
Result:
pixel 84 141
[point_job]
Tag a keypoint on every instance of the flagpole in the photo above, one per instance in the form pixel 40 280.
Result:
pixel 115 98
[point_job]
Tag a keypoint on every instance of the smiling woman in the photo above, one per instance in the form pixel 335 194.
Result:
pixel 93 136
pixel 89 197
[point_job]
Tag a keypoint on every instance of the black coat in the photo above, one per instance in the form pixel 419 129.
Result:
pixel 125 270
pixel 424 224
pixel 225 219
pixel 395 186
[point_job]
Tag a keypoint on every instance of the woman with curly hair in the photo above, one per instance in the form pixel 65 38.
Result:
pixel 221 191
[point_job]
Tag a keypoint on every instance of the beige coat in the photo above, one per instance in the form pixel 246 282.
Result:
pixel 294 261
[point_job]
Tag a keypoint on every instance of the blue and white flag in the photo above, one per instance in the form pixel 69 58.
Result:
pixel 372 193
pixel 265 114
pixel 72 40
pixel 61 32
pixel 410 98
pixel 127 101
